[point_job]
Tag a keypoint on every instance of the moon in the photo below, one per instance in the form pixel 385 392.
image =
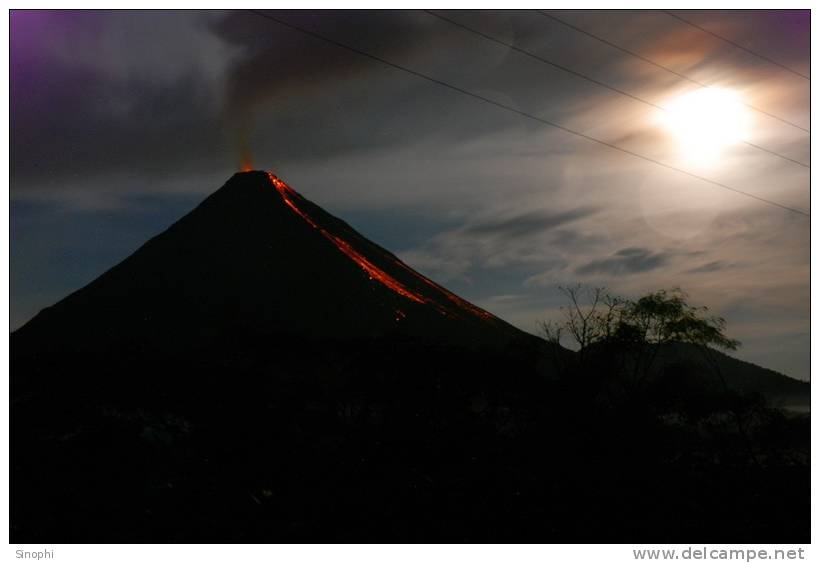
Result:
pixel 705 122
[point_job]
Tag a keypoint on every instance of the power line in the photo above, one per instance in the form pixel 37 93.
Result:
pixel 519 112
pixel 735 44
pixel 660 66
pixel 590 79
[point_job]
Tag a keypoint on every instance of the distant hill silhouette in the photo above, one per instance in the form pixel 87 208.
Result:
pixel 262 372
pixel 744 377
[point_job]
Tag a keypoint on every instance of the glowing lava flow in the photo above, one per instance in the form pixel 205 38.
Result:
pixel 452 296
pixel 376 273
pixel 373 271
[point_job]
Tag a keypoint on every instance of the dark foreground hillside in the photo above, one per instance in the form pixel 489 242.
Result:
pixel 262 373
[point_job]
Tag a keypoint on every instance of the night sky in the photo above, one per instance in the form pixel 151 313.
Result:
pixel 122 121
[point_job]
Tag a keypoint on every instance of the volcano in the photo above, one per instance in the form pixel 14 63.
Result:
pixel 258 258
pixel 249 328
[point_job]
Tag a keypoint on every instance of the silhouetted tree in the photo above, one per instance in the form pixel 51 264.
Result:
pixel 629 334
pixel 591 317
pixel 618 341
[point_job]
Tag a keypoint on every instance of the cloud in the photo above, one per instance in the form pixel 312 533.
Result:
pixel 529 224
pixel 97 94
pixel 710 267
pixel 517 240
pixel 276 61
pixel 626 261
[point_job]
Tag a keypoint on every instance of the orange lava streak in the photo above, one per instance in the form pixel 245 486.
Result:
pixel 372 271
pixel 452 296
